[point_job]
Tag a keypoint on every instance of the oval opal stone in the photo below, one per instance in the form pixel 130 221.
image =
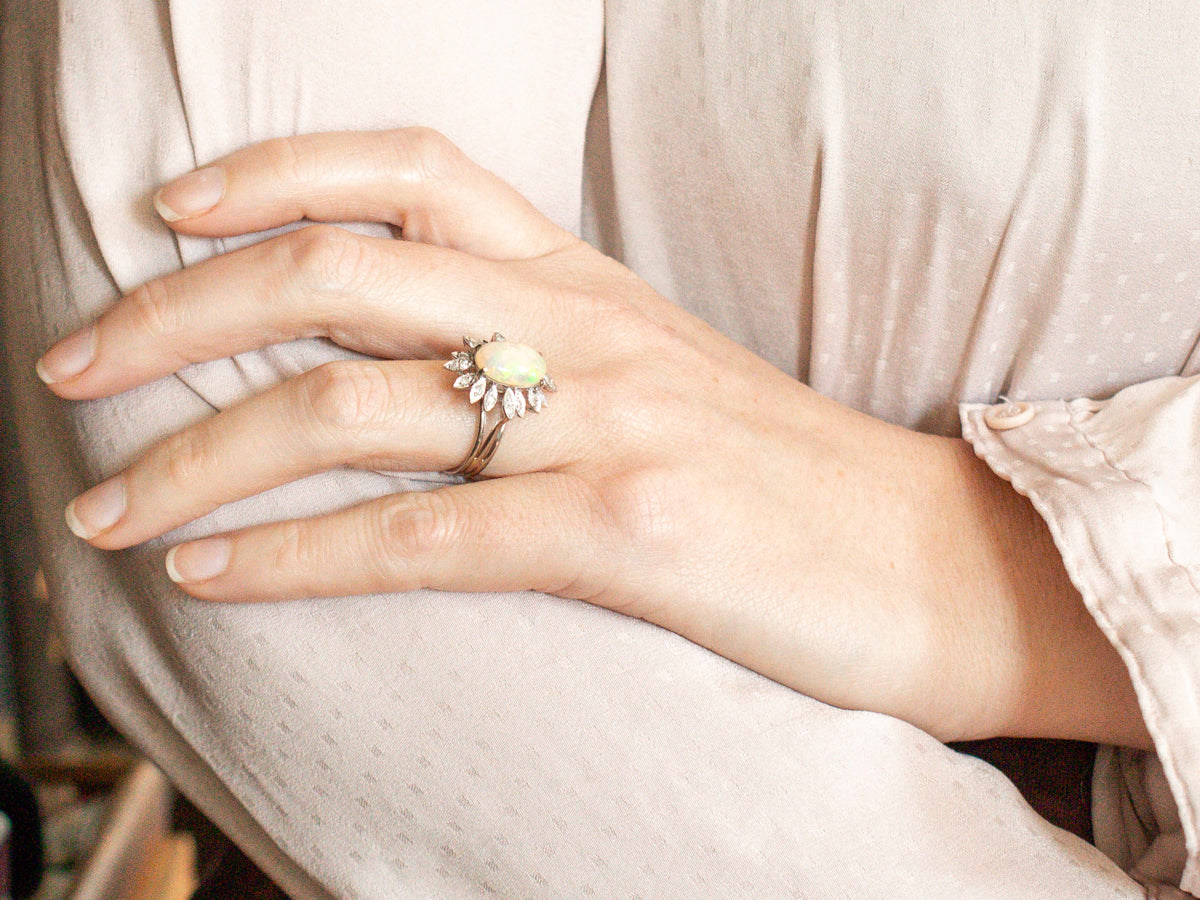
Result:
pixel 510 364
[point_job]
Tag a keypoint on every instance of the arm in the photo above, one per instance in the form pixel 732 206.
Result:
pixel 855 561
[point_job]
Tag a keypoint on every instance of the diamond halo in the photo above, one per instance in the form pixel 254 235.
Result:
pixel 499 372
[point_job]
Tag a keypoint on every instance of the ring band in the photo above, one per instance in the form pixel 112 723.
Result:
pixel 486 441
pixel 499 375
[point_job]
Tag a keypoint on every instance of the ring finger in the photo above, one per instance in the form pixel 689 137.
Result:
pixel 367 414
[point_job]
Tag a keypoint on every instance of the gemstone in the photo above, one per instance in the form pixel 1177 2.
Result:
pixel 489 399
pixel 477 390
pixel 510 364
pixel 510 402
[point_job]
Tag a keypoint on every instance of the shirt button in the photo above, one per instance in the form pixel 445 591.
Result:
pixel 1008 415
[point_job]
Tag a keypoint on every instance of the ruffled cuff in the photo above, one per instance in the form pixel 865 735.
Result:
pixel 1118 483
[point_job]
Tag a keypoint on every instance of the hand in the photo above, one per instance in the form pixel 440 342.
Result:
pixel 673 476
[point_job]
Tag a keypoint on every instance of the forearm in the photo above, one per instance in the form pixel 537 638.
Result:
pixel 933 591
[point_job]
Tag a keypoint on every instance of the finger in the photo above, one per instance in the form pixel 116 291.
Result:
pixel 368 414
pixel 414 178
pixel 541 531
pixel 381 297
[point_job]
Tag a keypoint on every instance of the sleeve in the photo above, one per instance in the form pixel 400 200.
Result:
pixel 1118 483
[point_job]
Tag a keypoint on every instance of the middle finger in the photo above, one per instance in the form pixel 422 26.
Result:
pixel 378 296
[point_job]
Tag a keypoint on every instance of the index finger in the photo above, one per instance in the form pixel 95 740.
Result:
pixel 413 178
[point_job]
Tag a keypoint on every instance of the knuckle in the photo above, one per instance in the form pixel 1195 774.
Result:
pixel 296 554
pixel 420 524
pixel 190 457
pixel 290 159
pixel 324 258
pixel 341 397
pixel 408 530
pixel 433 170
pixel 426 155
pixel 641 507
pixel 156 310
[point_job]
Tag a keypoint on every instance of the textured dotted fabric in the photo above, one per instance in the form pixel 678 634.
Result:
pixel 907 208
pixel 921 208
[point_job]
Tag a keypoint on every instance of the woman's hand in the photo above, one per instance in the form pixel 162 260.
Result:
pixel 673 476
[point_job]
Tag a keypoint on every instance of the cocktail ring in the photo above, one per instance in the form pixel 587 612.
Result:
pixel 497 373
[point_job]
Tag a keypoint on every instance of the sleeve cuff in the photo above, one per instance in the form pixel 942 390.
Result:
pixel 1118 483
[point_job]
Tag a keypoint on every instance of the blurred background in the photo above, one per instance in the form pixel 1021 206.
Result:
pixel 83 817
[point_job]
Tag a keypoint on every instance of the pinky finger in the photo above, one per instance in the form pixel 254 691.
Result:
pixel 530 532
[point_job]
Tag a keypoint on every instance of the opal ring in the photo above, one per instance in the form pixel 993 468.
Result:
pixel 506 379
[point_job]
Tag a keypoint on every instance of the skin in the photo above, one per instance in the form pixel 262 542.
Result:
pixel 674 476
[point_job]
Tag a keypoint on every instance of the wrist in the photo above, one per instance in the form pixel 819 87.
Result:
pixel 1025 655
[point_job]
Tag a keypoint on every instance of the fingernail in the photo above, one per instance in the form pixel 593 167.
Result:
pixel 98 509
pixel 191 194
pixel 199 560
pixel 68 357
